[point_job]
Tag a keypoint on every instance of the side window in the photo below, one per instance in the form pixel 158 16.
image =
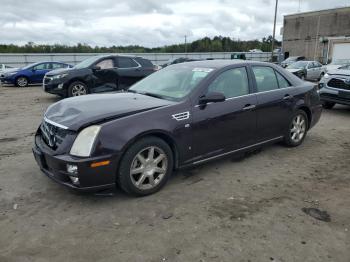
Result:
pixel 43 66
pixel 57 65
pixel 105 64
pixel 126 62
pixel 265 78
pixel 231 83
pixel 282 82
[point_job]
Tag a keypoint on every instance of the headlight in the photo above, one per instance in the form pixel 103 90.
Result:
pixel 59 76
pixel 84 142
pixel 326 76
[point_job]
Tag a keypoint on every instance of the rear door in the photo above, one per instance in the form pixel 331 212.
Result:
pixel 275 97
pixel 129 72
pixel 105 77
pixel 225 126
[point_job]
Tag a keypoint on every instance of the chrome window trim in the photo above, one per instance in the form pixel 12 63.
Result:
pixel 236 150
pixel 54 123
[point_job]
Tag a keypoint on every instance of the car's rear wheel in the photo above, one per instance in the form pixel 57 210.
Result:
pixel 328 105
pixel 145 166
pixel 22 81
pixel 77 88
pixel 297 129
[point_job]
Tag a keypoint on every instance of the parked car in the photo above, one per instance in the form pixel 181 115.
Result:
pixel 178 60
pixel 307 70
pixel 98 74
pixel 335 87
pixel 180 116
pixel 4 67
pixel 31 74
pixel 336 64
pixel 291 60
pixel 239 56
pixel 255 51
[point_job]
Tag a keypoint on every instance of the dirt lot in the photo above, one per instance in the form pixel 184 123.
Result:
pixel 235 209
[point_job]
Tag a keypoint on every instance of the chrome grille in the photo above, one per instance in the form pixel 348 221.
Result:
pixel 52 135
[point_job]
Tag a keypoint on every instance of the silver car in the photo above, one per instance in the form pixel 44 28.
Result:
pixel 335 87
pixel 307 70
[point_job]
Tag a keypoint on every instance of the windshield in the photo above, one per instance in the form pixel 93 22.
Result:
pixel 30 66
pixel 290 59
pixel 87 62
pixel 341 62
pixel 172 83
pixel 298 65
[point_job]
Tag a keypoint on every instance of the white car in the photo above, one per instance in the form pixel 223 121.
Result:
pixel 336 64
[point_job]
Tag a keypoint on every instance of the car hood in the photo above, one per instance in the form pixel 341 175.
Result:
pixel 78 112
pixel 293 70
pixel 59 71
pixel 339 72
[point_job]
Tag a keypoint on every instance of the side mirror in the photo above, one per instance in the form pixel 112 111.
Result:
pixel 96 68
pixel 212 97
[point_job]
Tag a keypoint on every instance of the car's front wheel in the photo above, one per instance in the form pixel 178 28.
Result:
pixel 77 88
pixel 22 81
pixel 328 105
pixel 145 166
pixel 297 129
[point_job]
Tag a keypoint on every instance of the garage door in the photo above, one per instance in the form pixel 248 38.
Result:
pixel 341 51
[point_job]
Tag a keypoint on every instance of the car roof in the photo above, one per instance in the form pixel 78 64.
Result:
pixel 220 63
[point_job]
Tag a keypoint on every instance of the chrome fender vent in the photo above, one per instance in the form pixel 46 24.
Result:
pixel 181 116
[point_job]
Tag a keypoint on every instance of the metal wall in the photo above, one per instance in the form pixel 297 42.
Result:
pixel 18 60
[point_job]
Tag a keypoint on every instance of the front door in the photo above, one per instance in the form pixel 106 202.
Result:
pixel 229 125
pixel 39 71
pixel 105 76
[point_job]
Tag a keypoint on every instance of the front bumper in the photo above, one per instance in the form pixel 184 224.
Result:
pixel 54 87
pixel 7 80
pixel 334 95
pixel 91 179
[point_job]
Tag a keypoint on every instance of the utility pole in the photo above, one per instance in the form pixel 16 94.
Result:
pixel 186 45
pixel 274 32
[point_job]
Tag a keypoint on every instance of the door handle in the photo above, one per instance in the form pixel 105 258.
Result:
pixel 287 97
pixel 248 107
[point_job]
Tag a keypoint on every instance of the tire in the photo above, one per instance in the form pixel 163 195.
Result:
pixel 77 88
pixel 21 81
pixel 137 175
pixel 297 129
pixel 328 105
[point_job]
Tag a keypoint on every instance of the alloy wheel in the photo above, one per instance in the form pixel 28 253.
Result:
pixel 148 168
pixel 298 129
pixel 79 90
pixel 22 82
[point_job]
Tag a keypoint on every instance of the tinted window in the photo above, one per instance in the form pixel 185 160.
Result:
pixel 282 82
pixel 44 66
pixel 57 65
pixel 231 83
pixel 105 64
pixel 144 62
pixel 125 62
pixel 265 78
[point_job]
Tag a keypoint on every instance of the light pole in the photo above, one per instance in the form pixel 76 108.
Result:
pixel 274 32
pixel 186 45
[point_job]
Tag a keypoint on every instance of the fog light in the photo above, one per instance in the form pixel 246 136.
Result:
pixel 75 180
pixel 72 170
pixel 60 86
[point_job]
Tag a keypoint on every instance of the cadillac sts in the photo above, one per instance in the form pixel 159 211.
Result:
pixel 181 116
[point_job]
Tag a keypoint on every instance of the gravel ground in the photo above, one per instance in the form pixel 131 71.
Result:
pixel 235 209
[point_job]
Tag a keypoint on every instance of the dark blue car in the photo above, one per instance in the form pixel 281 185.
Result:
pixel 31 74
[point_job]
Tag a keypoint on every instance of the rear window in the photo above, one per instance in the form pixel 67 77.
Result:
pixel 126 62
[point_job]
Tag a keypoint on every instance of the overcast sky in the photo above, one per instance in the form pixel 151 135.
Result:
pixel 143 22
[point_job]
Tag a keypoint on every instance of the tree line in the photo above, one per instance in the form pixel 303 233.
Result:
pixel 206 44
